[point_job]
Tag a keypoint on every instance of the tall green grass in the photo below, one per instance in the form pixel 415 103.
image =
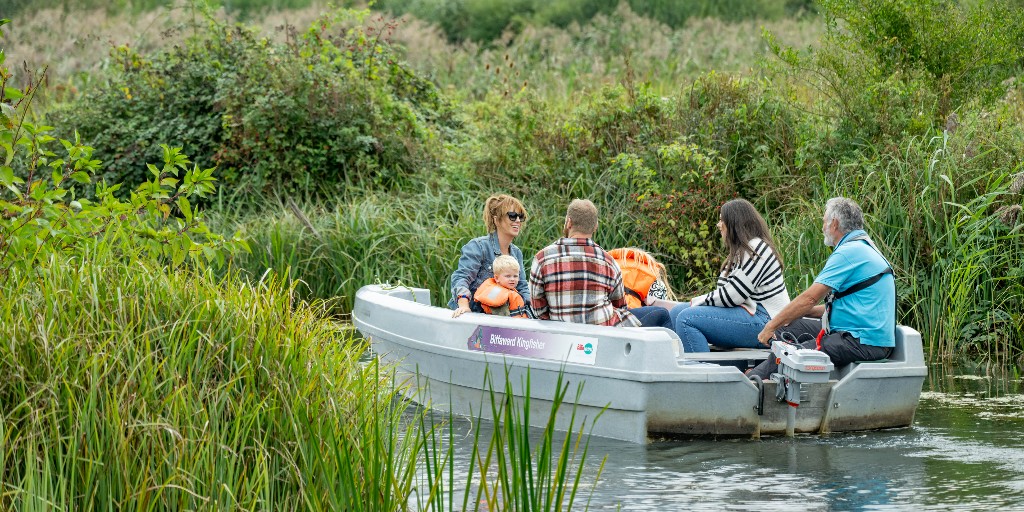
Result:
pixel 129 385
pixel 331 250
pixel 507 469
pixel 938 219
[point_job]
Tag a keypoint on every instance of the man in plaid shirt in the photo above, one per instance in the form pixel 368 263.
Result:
pixel 574 280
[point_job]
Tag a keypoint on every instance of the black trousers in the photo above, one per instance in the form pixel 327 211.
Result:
pixel 840 346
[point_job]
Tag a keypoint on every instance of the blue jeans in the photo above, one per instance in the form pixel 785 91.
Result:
pixel 722 327
pixel 653 316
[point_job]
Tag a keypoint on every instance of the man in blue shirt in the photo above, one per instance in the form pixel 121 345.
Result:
pixel 859 315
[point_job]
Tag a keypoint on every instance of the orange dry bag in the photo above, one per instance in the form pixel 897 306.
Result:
pixel 638 274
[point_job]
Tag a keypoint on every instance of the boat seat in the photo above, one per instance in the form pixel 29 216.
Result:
pixel 751 355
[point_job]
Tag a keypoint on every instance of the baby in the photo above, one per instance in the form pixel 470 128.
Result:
pixel 498 295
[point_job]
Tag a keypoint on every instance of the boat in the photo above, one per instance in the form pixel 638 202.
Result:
pixel 637 383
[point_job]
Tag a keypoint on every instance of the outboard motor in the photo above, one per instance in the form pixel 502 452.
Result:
pixel 797 365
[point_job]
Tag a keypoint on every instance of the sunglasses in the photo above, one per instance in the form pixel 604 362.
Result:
pixel 513 216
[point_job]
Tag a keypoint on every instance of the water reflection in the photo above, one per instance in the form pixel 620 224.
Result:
pixel 964 452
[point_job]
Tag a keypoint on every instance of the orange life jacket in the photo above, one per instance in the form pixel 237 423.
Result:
pixel 492 295
pixel 638 274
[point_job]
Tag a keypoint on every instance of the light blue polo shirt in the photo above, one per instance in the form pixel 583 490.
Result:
pixel 869 314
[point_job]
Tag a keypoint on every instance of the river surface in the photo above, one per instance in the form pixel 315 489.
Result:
pixel 965 451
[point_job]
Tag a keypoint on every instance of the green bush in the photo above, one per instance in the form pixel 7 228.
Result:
pixel 43 216
pixel 893 68
pixel 327 111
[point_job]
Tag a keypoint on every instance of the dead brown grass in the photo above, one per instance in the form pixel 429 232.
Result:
pixel 76 43
pixel 557 62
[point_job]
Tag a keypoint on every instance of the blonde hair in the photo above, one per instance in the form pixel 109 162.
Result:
pixel 583 215
pixel 504 263
pixel 499 205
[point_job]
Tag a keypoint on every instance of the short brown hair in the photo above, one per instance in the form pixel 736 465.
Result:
pixel 498 205
pixel 583 215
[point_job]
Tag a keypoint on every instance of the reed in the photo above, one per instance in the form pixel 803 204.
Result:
pixel 936 215
pixel 132 387
pixel 129 386
pixel 511 467
pixel 76 43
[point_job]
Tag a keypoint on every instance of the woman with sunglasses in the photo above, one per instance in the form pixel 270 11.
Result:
pixel 504 216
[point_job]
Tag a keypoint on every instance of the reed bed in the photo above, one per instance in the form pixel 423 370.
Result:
pixel 128 386
pixel 75 45
pixel 562 63
pixel 331 251
pixel 940 221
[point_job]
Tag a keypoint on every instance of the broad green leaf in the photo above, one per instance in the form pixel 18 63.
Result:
pixel 186 208
pixel 6 176
pixel 80 176
pixel 13 94
pixel 179 254
pixel 8 112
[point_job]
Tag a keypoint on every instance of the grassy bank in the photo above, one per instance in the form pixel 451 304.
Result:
pixel 136 387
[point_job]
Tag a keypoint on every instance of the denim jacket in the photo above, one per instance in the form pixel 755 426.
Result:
pixel 475 268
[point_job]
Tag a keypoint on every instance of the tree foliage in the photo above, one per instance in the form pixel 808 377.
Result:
pixel 331 108
pixel 44 212
pixel 891 68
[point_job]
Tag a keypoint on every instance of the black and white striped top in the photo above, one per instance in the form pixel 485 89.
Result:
pixel 758 280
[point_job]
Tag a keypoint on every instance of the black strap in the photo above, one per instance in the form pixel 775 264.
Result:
pixel 861 285
pixel 833 295
pixel 635 294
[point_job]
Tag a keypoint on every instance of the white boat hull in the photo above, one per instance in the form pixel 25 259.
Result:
pixel 636 379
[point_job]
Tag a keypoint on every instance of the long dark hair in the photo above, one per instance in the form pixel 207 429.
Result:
pixel 742 224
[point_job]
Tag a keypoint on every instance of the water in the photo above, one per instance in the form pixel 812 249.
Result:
pixel 965 451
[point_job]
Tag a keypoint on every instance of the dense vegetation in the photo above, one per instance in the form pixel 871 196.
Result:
pixel 488 20
pixel 910 107
pixel 143 371
pixel 176 322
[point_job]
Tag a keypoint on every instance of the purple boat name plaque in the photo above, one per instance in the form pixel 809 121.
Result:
pixel 538 345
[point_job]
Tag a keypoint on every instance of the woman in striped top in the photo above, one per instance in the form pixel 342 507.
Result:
pixel 750 290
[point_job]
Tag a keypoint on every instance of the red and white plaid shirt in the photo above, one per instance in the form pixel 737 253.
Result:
pixel 574 280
